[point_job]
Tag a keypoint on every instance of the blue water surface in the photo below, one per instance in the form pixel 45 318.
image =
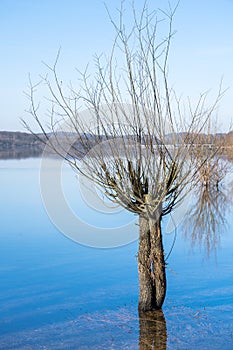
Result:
pixel 57 294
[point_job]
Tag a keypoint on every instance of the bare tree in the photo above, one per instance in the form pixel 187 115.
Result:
pixel 209 160
pixel 137 142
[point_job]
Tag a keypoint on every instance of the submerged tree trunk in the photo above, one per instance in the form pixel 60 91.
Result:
pixel 151 265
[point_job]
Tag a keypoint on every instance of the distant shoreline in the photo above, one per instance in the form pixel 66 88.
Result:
pixel 19 145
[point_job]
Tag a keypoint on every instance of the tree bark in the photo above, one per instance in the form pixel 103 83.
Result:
pixel 151 265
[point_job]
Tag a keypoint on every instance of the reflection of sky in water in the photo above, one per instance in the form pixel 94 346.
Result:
pixel 55 293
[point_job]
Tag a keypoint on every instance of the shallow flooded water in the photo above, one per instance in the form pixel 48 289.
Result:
pixel 57 294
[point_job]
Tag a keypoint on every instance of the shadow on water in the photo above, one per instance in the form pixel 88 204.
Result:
pixel 152 330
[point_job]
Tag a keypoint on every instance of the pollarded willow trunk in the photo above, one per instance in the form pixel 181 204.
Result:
pixel 151 265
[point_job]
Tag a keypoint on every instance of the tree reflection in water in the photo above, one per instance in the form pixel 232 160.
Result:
pixel 153 332
pixel 206 219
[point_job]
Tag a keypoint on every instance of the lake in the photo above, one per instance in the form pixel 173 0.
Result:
pixel 58 294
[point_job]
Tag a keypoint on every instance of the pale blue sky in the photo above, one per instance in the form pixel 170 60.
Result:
pixel 33 31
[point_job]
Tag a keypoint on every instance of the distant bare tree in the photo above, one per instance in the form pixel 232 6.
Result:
pixel 132 146
pixel 211 164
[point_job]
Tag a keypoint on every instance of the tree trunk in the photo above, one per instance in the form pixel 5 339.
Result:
pixel 151 265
